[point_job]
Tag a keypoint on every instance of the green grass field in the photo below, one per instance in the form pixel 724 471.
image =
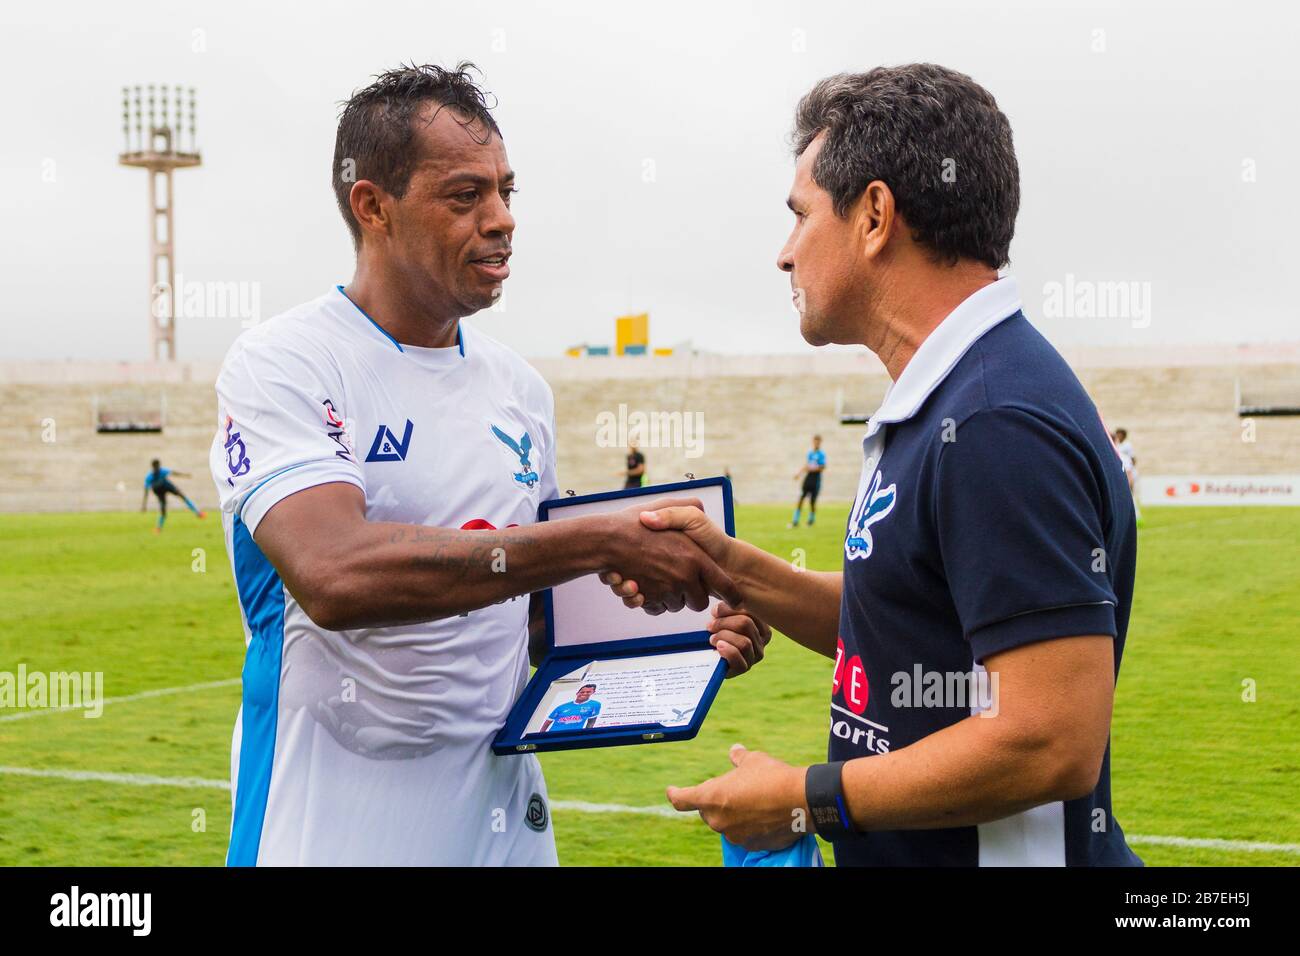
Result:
pixel 1218 599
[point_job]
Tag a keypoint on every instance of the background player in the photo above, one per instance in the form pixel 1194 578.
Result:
pixel 635 474
pixel 158 480
pixel 1129 461
pixel 811 473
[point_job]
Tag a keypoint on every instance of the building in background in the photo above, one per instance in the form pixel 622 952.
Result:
pixel 631 338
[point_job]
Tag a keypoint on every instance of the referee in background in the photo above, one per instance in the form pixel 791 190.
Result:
pixel 811 473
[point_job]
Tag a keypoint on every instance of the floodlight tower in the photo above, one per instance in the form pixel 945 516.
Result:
pixel 158 143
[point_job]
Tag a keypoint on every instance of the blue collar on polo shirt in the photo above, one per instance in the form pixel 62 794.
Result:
pixel 943 349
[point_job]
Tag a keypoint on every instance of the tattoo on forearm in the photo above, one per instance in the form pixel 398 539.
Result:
pixel 450 552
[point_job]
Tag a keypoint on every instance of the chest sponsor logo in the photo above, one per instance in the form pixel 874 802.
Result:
pixel 387 447
pixel 482 524
pixel 872 506
pixel 849 691
pixel 522 449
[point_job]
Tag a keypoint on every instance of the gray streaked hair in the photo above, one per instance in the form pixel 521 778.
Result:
pixel 935 137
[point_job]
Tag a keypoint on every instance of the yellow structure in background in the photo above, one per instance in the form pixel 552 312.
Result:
pixel 632 334
pixel 631 337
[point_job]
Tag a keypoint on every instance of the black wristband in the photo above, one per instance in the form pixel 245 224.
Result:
pixel 824 791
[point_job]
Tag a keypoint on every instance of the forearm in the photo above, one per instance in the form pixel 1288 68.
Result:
pixel 966 774
pixel 383 573
pixel 803 605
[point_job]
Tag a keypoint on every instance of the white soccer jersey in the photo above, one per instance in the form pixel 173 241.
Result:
pixel 371 746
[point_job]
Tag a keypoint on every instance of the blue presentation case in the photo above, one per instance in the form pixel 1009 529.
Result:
pixel 623 632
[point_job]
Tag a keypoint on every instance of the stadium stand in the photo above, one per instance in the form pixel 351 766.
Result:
pixel 1180 406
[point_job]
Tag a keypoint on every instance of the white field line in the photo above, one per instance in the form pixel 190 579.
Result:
pixel 133 779
pixel 143 695
pixel 1207 844
pixel 579 806
pixel 583 807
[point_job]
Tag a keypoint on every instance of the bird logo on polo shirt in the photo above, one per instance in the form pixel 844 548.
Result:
pixel 873 506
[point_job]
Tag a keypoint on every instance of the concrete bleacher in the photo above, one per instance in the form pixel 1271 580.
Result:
pixel 82 469
pixel 1179 406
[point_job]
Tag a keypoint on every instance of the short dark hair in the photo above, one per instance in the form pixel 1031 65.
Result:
pixel 585 686
pixel 907 126
pixel 377 133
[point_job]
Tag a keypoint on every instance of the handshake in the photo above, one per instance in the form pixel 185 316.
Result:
pixel 667 556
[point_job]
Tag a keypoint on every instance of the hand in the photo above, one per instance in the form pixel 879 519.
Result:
pixel 739 637
pixel 759 805
pixel 687 517
pixel 671 570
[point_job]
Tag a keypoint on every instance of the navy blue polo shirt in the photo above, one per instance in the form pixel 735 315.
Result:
pixel 992 512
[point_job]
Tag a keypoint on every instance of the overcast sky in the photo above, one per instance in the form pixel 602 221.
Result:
pixel 1157 146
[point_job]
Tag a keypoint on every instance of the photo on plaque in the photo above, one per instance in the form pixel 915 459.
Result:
pixel 656 689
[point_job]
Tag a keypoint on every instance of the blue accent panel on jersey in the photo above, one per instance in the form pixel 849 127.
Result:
pixel 261 595
pixel 460 340
pixel 243 502
pixel 374 323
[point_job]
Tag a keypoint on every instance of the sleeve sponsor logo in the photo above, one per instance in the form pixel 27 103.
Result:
pixel 237 460
pixel 338 432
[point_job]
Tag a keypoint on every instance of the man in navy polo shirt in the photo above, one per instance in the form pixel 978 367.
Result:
pixel 978 623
